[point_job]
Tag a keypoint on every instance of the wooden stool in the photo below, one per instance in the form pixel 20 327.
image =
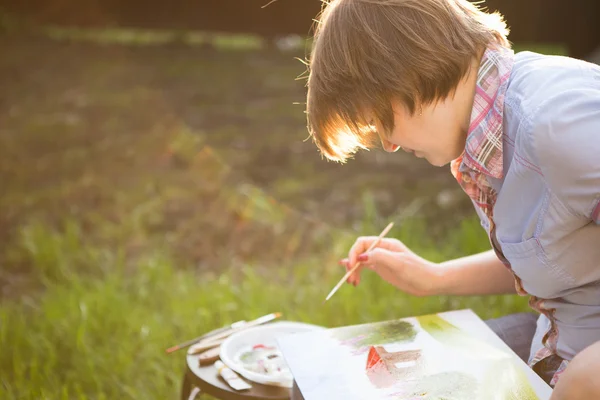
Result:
pixel 207 381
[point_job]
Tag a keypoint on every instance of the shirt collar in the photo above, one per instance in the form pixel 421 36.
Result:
pixel 483 149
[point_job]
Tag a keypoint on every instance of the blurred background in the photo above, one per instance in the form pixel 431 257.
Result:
pixel 157 181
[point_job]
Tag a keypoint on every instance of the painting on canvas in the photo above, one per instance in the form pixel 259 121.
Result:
pixel 451 356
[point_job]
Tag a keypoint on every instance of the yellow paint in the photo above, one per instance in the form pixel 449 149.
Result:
pixel 504 379
pixel 450 335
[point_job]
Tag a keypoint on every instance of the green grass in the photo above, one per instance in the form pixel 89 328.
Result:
pixel 100 332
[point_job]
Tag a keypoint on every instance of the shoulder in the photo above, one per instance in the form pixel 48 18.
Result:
pixel 557 100
pixel 536 78
pixel 564 122
pixel 558 103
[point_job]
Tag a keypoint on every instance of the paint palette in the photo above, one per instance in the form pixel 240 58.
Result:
pixel 451 355
pixel 255 354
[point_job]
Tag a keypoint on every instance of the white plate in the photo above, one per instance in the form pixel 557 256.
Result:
pixel 267 335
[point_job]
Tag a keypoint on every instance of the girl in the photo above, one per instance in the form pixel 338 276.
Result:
pixel 521 133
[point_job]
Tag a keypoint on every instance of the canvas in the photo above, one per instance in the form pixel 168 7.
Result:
pixel 446 356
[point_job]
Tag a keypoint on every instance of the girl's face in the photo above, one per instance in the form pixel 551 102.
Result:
pixel 437 134
pixel 438 131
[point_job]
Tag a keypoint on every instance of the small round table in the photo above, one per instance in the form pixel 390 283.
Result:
pixel 207 381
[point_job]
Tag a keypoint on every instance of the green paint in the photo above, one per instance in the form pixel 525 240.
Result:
pixel 507 381
pixel 450 335
pixel 521 388
pixel 376 334
pixel 435 324
pixel 442 386
pixel 504 375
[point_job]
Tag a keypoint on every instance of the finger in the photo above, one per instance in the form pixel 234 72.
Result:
pixel 345 263
pixel 356 276
pixel 381 258
pixel 352 278
pixel 360 246
pixel 347 268
pixel 391 244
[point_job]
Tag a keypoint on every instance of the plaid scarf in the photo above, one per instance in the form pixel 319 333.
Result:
pixel 482 157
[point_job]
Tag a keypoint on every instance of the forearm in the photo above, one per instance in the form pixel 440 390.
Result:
pixel 479 274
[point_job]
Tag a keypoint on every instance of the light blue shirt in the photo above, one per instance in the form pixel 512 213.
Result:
pixel 547 212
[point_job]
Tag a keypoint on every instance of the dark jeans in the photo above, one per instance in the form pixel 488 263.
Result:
pixel 516 330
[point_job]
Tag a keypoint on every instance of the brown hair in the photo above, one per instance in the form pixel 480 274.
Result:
pixel 367 53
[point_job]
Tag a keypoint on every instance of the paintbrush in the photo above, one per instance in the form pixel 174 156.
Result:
pixel 217 339
pixel 204 337
pixel 373 245
pixel 201 347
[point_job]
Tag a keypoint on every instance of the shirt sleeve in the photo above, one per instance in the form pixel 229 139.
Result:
pixel 566 132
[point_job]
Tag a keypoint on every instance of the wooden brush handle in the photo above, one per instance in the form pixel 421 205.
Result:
pixel 203 346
